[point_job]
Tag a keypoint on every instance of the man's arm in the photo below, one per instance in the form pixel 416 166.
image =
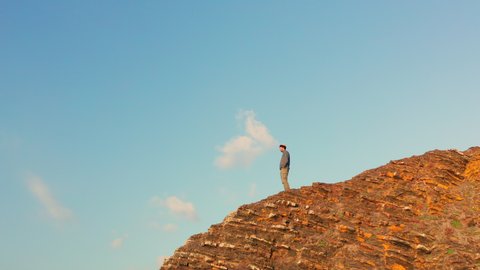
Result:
pixel 284 160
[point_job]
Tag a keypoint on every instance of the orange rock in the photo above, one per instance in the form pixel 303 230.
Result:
pixel 394 228
pixel 472 169
pixel 391 174
pixel 397 267
pixel 393 217
pixel 343 228
pixel 442 186
pixel 407 177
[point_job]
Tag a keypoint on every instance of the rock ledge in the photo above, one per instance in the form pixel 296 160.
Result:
pixel 421 212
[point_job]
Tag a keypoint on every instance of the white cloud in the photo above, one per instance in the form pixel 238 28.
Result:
pixel 53 207
pixel 244 149
pixel 177 207
pixel 257 130
pixel 170 227
pixel 118 242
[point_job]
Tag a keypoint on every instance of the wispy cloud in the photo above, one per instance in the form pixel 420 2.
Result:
pixel 170 227
pixel 244 149
pixel 117 243
pixel 176 206
pixel 53 207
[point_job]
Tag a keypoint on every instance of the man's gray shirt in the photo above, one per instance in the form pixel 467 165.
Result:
pixel 285 161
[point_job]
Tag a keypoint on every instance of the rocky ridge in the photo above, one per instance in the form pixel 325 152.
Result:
pixel 421 212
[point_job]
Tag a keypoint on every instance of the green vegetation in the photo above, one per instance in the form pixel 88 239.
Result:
pixel 323 243
pixel 450 251
pixel 456 224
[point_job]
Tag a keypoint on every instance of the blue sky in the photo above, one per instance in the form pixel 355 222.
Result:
pixel 127 126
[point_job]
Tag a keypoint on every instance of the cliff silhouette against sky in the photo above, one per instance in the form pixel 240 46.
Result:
pixel 421 212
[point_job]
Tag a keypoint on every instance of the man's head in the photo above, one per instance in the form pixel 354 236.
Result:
pixel 282 147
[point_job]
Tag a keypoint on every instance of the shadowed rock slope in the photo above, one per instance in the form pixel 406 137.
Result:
pixel 421 212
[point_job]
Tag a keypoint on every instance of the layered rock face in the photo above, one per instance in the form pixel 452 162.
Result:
pixel 421 212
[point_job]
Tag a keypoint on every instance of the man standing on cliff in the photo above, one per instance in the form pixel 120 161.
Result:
pixel 284 166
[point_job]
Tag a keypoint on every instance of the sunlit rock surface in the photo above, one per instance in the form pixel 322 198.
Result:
pixel 421 212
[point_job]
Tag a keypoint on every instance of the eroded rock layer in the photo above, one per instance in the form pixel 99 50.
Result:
pixel 421 212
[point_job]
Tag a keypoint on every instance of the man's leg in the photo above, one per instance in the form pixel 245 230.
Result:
pixel 284 176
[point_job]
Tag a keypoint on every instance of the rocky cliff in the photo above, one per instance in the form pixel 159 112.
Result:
pixel 421 212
